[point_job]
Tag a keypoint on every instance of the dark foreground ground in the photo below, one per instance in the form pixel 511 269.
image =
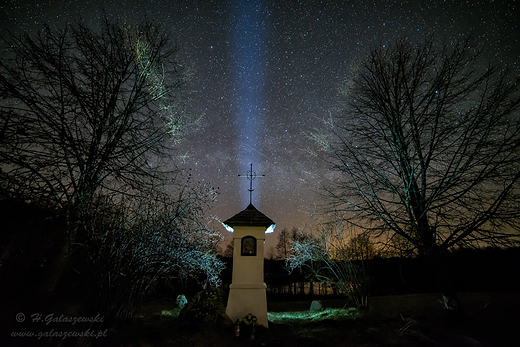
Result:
pixel 492 319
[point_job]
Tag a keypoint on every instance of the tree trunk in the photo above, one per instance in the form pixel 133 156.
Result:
pixel 439 263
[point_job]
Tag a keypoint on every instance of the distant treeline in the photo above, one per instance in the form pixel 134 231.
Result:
pixel 31 237
pixel 488 269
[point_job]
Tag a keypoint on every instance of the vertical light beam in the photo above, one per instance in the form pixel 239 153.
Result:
pixel 248 32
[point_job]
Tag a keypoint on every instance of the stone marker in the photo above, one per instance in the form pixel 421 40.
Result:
pixel 316 306
pixel 181 301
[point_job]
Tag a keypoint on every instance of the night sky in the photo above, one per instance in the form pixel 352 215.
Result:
pixel 266 72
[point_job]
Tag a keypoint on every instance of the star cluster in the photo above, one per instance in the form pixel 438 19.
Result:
pixel 266 72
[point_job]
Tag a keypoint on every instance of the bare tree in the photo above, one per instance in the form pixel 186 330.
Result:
pixel 295 234
pixel 399 247
pixel 324 251
pixel 86 110
pixel 283 247
pixel 428 148
pixel 361 247
pixel 230 248
pixel 89 115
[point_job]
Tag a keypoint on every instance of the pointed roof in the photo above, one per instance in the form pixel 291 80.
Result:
pixel 249 217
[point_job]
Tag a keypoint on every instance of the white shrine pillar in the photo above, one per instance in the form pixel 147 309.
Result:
pixel 247 292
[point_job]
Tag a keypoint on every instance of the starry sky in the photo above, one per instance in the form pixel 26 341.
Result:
pixel 266 72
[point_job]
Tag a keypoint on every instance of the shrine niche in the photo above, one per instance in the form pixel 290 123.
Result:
pixel 248 246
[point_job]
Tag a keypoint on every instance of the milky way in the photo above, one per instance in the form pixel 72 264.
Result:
pixel 266 72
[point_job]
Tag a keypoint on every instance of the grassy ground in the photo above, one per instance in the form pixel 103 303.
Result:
pixel 493 319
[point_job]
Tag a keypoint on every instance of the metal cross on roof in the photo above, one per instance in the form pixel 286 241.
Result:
pixel 251 175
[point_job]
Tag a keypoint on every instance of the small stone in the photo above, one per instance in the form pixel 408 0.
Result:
pixel 181 301
pixel 316 306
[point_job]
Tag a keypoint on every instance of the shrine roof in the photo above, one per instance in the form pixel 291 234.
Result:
pixel 249 217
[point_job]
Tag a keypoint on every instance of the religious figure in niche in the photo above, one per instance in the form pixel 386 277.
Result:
pixel 249 246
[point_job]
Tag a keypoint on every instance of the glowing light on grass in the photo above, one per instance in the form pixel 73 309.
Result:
pixel 302 317
pixel 170 313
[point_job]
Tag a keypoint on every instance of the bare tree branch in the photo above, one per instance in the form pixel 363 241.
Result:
pixel 87 110
pixel 428 147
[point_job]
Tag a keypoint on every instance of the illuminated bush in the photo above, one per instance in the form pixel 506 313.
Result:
pixel 131 248
pixel 325 253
